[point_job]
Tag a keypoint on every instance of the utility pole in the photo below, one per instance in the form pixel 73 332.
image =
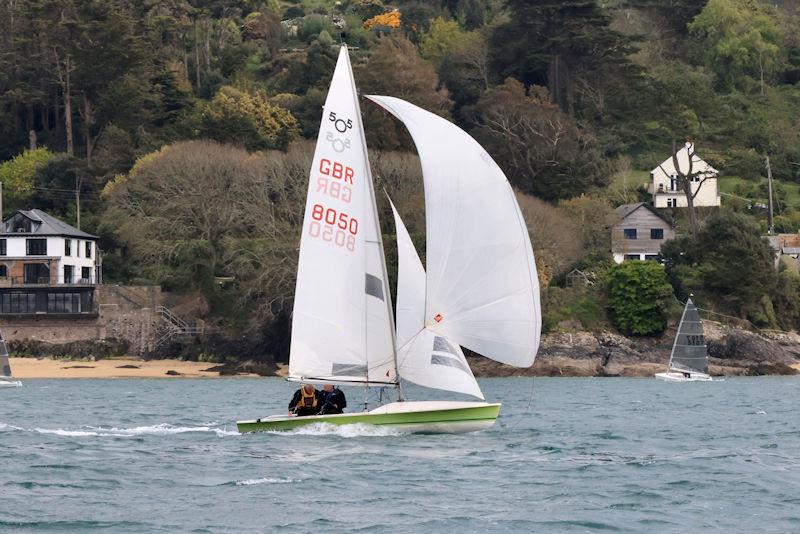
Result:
pixel 770 220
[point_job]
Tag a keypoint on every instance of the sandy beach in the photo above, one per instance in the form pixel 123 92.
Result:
pixel 113 368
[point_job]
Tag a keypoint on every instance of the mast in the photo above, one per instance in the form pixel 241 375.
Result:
pixel 379 242
pixel 677 335
pixel 771 221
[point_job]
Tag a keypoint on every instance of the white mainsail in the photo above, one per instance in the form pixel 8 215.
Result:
pixel 342 329
pixel 482 290
pixel 423 357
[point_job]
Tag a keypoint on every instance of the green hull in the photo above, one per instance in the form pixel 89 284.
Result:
pixel 456 419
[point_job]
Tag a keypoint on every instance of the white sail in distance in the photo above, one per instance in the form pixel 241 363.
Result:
pixel 482 290
pixel 5 364
pixel 423 357
pixel 341 325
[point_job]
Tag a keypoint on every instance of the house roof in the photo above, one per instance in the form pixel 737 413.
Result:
pixel 47 226
pixel 625 210
pixel 699 165
pixel 789 240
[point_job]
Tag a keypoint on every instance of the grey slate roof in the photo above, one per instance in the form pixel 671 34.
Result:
pixel 626 209
pixel 47 226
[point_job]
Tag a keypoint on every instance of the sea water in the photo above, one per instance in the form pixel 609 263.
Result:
pixel 566 455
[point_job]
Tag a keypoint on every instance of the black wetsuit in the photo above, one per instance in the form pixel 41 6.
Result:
pixel 302 410
pixel 333 401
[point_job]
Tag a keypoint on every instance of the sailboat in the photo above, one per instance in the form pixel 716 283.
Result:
pixel 6 379
pixel 480 290
pixel 689 359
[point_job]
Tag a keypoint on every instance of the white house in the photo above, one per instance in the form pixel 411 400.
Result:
pixel 46 266
pixel 664 186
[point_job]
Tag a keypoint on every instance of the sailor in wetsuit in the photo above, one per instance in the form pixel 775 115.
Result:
pixel 333 400
pixel 306 401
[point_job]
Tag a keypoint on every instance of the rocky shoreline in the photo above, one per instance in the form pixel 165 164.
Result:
pixel 732 352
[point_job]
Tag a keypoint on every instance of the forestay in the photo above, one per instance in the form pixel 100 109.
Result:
pixel 342 326
pixel 482 290
pixel 423 357
pixel 689 351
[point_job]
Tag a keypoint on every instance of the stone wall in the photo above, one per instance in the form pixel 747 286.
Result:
pixel 125 313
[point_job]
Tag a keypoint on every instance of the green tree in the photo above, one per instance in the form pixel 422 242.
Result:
pixel 248 120
pixel 567 46
pixel 18 175
pixel 740 38
pixel 729 262
pixel 638 297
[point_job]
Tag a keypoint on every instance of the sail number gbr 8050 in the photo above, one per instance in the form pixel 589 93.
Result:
pixel 329 224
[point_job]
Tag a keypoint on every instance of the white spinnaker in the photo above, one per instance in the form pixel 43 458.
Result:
pixel 330 339
pixel 423 357
pixel 482 291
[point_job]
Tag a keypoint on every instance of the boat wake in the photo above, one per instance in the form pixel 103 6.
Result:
pixel 163 429
pixel 344 431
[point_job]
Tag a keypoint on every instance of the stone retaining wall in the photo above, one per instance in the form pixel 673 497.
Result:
pixel 125 313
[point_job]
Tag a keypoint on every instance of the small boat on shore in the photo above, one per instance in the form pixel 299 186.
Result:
pixel 480 289
pixel 688 361
pixel 6 378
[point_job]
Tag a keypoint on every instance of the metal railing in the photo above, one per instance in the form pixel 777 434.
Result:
pixel 176 327
pixel 13 281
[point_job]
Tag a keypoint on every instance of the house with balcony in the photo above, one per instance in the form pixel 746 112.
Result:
pixel 46 266
pixel 666 190
pixel 640 232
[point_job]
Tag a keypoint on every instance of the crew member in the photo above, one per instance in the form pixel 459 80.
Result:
pixel 306 401
pixel 333 400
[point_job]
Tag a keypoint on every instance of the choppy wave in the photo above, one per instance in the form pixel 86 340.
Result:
pixel 344 431
pixel 162 429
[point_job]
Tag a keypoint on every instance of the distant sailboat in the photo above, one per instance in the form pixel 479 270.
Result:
pixel 689 359
pixel 480 290
pixel 6 379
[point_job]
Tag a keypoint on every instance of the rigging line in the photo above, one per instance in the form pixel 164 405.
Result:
pixel 527 409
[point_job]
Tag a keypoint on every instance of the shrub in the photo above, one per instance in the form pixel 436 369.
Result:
pixel 638 297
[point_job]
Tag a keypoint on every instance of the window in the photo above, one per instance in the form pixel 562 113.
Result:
pixel 630 233
pixel 651 257
pixel 3 249
pixel 86 274
pixel 68 270
pixel 88 249
pixel 656 233
pixel 629 257
pixel 68 247
pixel 36 247
pixel 3 271
pixel 77 248
pixel 36 273
pixel 63 302
pixel 672 202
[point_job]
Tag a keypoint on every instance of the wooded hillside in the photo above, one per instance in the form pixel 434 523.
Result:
pixel 187 128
